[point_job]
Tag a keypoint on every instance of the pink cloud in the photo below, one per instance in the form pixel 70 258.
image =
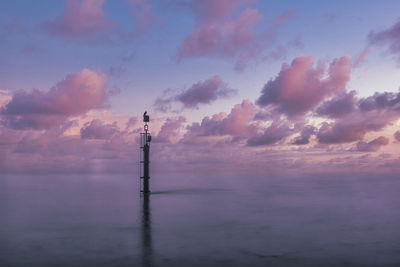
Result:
pixel 229 141
pixel 373 145
pixel 202 92
pixel 236 124
pixel 169 129
pixel 79 18
pixel 237 121
pixel 75 95
pixel 361 58
pixel 201 41
pixel 241 31
pixel 217 32
pixel 142 16
pixel 225 38
pixel 263 42
pixel 219 142
pixel 300 87
pixel 86 20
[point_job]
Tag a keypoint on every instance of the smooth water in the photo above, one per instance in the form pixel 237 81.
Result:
pixel 101 220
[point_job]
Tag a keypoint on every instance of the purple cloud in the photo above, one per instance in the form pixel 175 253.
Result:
pixel 397 135
pixel 96 129
pixel 273 134
pixel 305 135
pixel 339 106
pixel 372 114
pixel 341 132
pixel 381 101
pixel 389 37
pixel 202 92
pixel 373 145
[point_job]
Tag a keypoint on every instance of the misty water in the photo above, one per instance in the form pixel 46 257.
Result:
pixel 200 220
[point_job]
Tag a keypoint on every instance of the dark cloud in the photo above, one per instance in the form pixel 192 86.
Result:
pixel 300 87
pixel 372 146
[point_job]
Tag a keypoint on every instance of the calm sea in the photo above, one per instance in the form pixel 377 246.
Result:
pixel 200 220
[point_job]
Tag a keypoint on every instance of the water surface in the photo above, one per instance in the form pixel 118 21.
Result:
pixel 199 220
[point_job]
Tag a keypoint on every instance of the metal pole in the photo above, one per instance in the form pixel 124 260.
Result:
pixel 146 169
pixel 145 146
pixel 147 248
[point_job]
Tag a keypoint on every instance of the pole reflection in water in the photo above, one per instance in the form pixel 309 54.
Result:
pixel 147 249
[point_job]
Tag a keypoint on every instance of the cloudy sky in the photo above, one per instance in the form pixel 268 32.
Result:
pixel 230 85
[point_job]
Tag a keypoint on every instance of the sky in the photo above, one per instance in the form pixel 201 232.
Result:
pixel 231 86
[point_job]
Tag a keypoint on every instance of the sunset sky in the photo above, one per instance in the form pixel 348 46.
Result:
pixel 231 86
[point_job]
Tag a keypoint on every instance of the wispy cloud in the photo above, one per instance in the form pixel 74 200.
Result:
pixel 202 92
